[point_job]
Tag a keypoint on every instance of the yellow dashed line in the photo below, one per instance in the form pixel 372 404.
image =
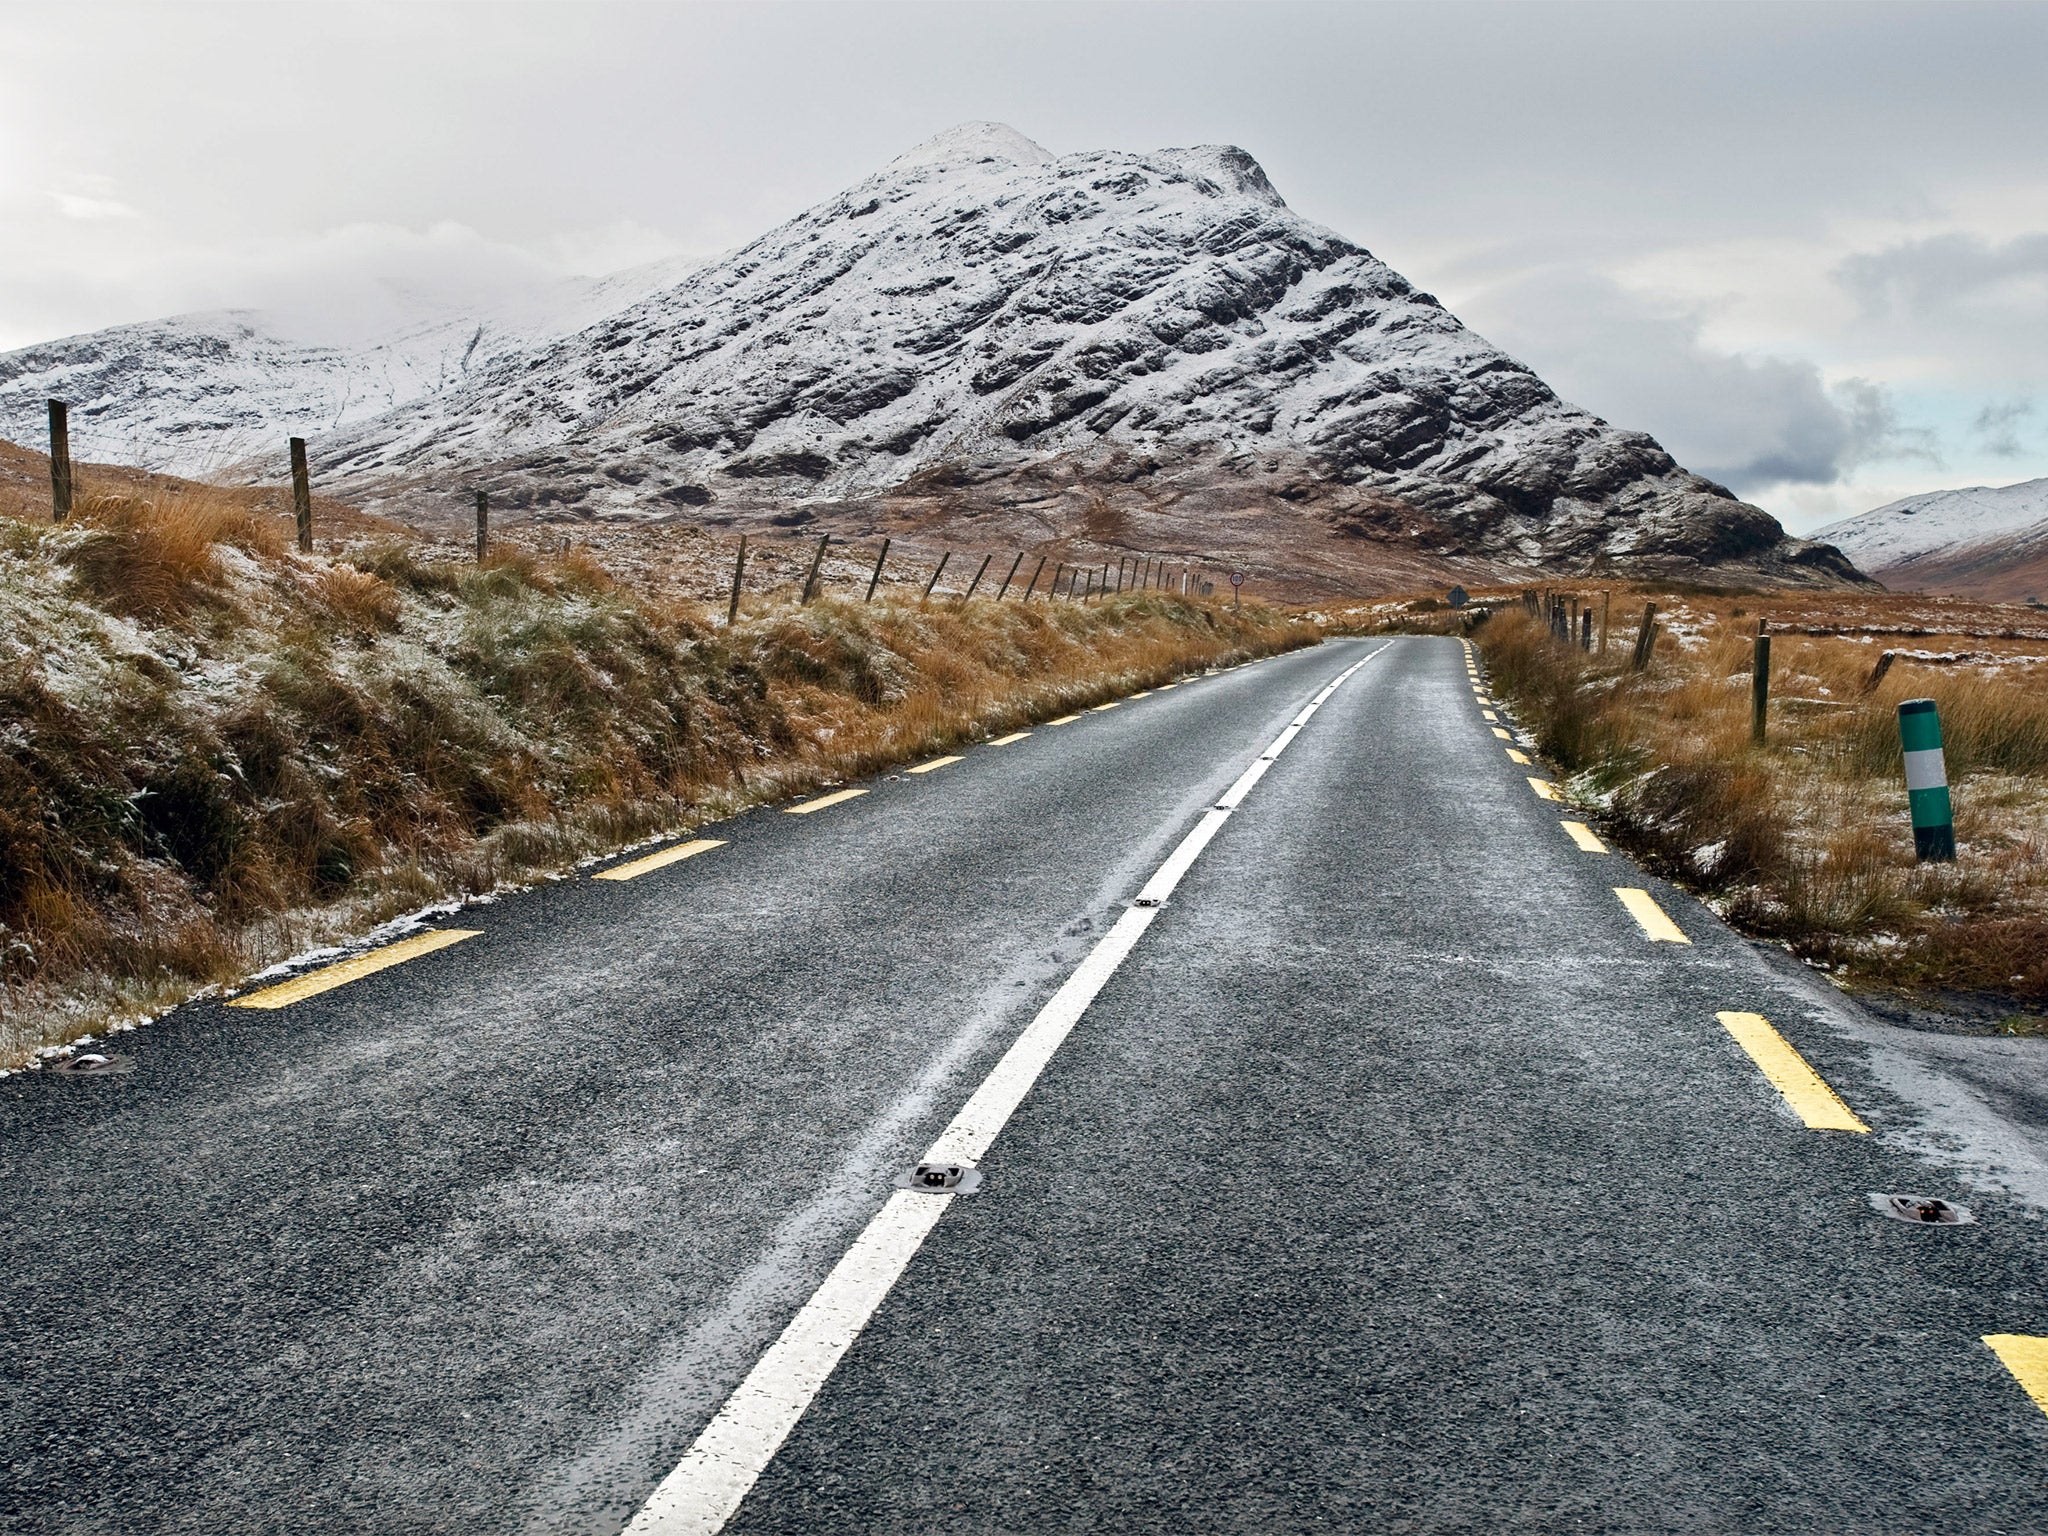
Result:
pixel 1064 720
pixel 1112 704
pixel 1517 757
pixel 1811 1099
pixel 1004 741
pixel 2026 1356
pixel 1545 790
pixel 1644 909
pixel 330 977
pixel 932 766
pixel 1503 733
pixel 818 805
pixel 1582 834
pixel 665 857
pixel 1145 695
pixel 1490 715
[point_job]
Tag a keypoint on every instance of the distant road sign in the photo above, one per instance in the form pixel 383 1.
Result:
pixel 1457 597
pixel 1237 578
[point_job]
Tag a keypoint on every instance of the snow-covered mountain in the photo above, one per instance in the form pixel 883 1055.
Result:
pixel 1108 347
pixel 1940 524
pixel 196 393
pixel 1981 541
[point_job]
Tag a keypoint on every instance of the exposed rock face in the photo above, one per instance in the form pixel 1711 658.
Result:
pixel 983 328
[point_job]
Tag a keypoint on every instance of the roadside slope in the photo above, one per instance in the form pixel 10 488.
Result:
pixel 219 751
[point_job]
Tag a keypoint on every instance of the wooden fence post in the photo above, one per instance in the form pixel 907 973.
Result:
pixel 302 495
pixel 811 580
pixel 739 569
pixel 1035 571
pixel 1057 571
pixel 1011 577
pixel 1884 665
pixel 60 461
pixel 483 525
pixel 1646 638
pixel 1760 685
pixel 983 571
pixel 944 556
pixel 884 555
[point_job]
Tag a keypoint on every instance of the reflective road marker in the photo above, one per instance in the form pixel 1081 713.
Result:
pixel 660 860
pixel 1582 834
pixel 285 993
pixel 707 1486
pixel 1811 1099
pixel 1646 911
pixel 2027 1358
pixel 934 764
pixel 818 805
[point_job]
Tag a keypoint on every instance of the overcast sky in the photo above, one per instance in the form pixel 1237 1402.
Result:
pixel 1807 247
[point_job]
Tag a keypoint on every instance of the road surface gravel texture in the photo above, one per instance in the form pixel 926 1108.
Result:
pixel 1396 1182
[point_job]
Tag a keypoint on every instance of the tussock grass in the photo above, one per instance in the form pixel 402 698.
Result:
pixel 152 557
pixel 215 752
pixel 1807 839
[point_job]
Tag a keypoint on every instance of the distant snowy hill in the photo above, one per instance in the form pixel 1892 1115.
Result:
pixel 195 393
pixel 1983 541
pixel 1110 350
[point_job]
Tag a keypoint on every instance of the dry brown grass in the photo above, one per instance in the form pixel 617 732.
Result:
pixel 1807 839
pixel 155 556
pixel 302 747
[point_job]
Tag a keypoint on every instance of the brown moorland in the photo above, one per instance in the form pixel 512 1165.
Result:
pixel 216 751
pixel 1805 840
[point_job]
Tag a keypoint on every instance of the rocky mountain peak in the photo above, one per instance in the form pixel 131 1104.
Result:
pixel 973 144
pixel 1102 346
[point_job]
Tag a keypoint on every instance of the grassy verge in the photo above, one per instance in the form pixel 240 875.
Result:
pixel 1806 840
pixel 215 752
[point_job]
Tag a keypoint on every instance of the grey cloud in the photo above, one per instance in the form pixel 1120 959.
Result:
pixel 1997 427
pixel 1926 277
pixel 1746 421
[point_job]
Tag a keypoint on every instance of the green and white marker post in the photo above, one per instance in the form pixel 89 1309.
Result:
pixel 1934 822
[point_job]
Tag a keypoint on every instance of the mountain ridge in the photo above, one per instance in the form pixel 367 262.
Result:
pixel 1089 348
pixel 1971 541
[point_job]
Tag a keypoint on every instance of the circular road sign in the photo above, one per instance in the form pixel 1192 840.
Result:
pixel 1237 578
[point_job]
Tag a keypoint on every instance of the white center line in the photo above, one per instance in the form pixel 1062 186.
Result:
pixel 704 1490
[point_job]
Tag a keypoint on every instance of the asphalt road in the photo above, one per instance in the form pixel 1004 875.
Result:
pixel 1395 1181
